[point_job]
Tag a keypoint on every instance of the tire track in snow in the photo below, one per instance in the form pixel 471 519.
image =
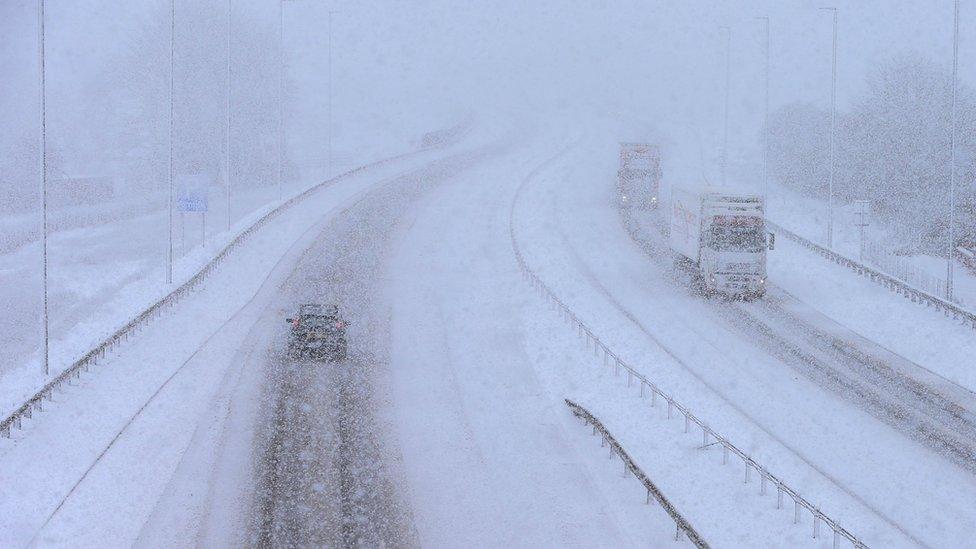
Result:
pixel 848 369
pixel 323 477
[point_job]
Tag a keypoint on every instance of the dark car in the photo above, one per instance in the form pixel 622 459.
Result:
pixel 317 332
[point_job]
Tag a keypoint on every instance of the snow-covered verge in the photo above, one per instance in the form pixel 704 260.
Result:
pixel 921 334
pixel 91 469
pixel 117 289
pixel 834 453
pixel 807 216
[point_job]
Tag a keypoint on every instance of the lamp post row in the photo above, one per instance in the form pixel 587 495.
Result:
pixel 950 242
pixel 170 170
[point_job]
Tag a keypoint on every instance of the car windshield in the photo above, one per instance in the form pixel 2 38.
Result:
pixel 727 238
pixel 319 321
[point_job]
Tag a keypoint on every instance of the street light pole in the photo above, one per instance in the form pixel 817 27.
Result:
pixel 725 133
pixel 172 87
pixel 765 155
pixel 227 126
pixel 952 154
pixel 833 110
pixel 330 94
pixel 43 159
pixel 281 92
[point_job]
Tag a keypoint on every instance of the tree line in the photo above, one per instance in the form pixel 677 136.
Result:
pixel 893 148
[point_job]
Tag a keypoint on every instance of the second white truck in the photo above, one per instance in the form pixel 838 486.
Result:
pixel 723 234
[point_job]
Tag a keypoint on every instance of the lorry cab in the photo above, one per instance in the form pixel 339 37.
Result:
pixel 639 175
pixel 733 255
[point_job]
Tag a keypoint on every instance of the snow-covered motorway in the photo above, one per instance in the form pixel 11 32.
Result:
pixel 199 433
pixel 446 426
pixel 882 483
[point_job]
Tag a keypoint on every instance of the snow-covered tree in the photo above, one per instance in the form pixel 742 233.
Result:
pixel 892 148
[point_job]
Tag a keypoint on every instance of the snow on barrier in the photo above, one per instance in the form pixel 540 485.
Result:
pixel 611 359
pixel 909 291
pixel 36 402
pixel 681 525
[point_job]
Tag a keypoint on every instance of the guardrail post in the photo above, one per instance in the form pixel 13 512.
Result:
pixel 653 397
pixel 796 512
pixel 687 422
pixel 670 406
pixel 648 500
pixel 725 454
pixel 762 482
pixel 630 377
pixel 677 531
pixel 704 437
pixel 642 389
pixel 779 496
pixel 816 525
pixel 836 539
pixel 747 472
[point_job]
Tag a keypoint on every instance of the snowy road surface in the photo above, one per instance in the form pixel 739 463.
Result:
pixel 745 386
pixel 446 425
pixel 219 440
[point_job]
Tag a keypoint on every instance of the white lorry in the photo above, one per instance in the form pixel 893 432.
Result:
pixel 639 175
pixel 723 234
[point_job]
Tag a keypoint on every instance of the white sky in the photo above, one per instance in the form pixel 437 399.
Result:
pixel 414 65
